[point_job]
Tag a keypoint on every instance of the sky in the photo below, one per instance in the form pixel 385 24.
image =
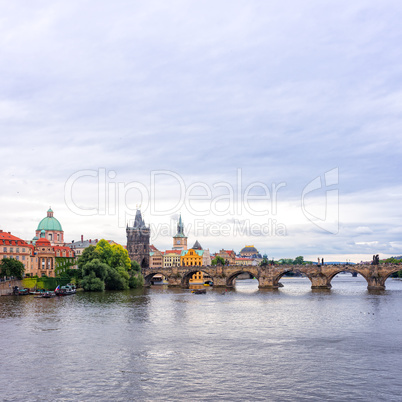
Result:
pixel 271 123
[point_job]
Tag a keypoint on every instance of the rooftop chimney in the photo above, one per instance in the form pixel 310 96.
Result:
pixel 82 237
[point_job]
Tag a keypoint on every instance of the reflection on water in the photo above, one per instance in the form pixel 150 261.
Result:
pixel 228 344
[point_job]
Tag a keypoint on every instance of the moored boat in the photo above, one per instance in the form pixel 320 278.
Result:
pixel 45 295
pixel 65 290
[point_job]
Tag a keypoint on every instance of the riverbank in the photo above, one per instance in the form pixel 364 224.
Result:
pixel 6 287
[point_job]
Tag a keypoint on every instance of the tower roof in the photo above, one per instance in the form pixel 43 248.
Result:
pixel 138 221
pixel 50 222
pixel 180 229
pixel 197 246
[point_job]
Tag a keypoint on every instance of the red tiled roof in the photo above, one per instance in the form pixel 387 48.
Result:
pixel 8 238
pixel 173 252
pixel 42 242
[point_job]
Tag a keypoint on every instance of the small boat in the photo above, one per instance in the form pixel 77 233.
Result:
pixel 65 290
pixel 38 292
pixel 208 283
pixel 23 292
pixel 199 291
pixel 45 295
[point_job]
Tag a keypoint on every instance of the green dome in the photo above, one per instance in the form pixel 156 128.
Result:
pixel 49 223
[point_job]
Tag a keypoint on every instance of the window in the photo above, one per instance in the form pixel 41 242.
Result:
pixel 23 249
pixel 5 249
pixel 17 257
pixel 50 236
pixel 11 250
pixel 23 258
pixel 18 250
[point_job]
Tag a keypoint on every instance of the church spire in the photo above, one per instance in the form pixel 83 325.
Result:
pixel 180 228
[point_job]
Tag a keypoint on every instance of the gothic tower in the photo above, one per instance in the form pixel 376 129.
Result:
pixel 138 241
pixel 180 240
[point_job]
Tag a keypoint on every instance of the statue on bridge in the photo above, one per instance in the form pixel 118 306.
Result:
pixel 376 260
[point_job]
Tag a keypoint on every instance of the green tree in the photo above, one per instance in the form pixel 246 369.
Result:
pixel 10 267
pixel 91 283
pixel 120 257
pixel 97 267
pixel 111 265
pixel 105 251
pixel 116 279
pixel 298 260
pixel 135 267
pixel 136 281
pixel 285 261
pixel 218 260
pixel 89 254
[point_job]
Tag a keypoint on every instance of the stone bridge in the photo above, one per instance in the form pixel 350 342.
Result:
pixel 268 277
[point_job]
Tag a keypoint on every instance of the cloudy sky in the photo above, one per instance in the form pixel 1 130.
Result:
pixel 273 123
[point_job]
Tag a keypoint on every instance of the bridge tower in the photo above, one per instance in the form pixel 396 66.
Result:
pixel 138 241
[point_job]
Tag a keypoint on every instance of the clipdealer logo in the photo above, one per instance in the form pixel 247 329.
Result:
pixel 255 204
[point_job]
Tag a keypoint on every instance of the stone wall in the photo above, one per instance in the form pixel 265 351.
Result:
pixel 6 288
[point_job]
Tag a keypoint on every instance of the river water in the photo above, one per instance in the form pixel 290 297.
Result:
pixel 293 344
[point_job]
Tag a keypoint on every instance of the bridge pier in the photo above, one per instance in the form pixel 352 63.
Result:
pixel 267 282
pixel 319 281
pixel 376 283
pixel 220 282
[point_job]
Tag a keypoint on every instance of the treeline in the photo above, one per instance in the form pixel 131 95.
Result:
pixel 106 266
pixel 289 261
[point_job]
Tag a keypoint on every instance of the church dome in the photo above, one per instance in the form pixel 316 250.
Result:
pixel 50 222
pixel 249 249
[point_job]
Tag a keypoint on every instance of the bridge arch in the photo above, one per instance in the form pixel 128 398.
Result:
pixel 230 281
pixel 350 270
pixel 148 277
pixel 284 271
pixel 185 282
pixel 388 274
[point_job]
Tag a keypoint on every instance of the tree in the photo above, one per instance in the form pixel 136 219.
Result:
pixel 285 261
pixel 298 260
pixel 135 266
pixel 116 279
pixel 120 257
pixel 111 266
pixel 10 267
pixel 92 284
pixel 97 267
pixel 105 251
pixel 218 260
pixel 89 254
pixel 136 279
